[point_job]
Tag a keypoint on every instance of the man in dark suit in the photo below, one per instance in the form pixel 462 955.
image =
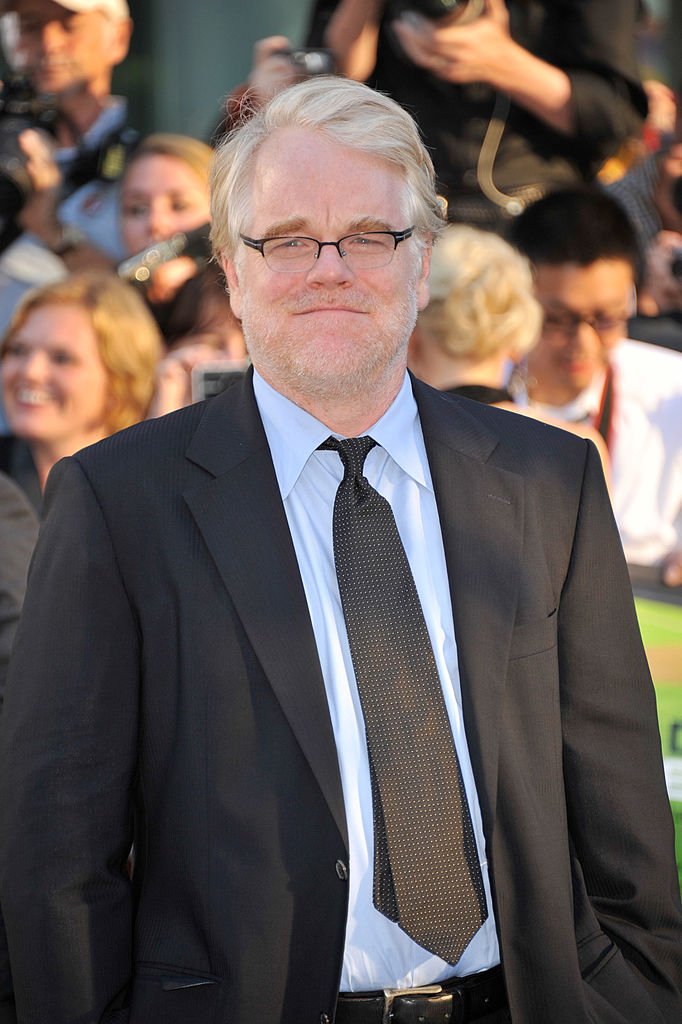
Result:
pixel 188 674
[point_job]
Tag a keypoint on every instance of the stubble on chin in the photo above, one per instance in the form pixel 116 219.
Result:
pixel 297 368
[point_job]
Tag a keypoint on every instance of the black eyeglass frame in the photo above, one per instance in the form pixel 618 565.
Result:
pixel 258 243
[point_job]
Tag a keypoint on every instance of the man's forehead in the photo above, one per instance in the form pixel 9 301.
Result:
pixel 589 281
pixel 55 8
pixel 301 177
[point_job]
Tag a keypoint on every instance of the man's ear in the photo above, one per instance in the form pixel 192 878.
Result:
pixel 121 31
pixel 233 289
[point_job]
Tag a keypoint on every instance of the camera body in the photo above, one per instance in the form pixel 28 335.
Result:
pixel 455 10
pixel 211 378
pixel 310 62
pixel 20 108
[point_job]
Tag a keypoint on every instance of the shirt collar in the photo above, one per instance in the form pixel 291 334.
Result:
pixel 293 434
pixel 110 119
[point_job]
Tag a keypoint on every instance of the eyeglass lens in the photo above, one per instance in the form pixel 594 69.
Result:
pixel 361 251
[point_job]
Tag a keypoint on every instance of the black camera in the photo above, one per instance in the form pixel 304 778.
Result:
pixel 457 10
pixel 209 379
pixel 311 62
pixel 20 108
pixel 196 244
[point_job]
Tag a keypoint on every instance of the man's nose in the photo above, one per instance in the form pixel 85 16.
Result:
pixel 330 267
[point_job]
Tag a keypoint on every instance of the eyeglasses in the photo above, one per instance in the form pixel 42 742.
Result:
pixel 365 250
pixel 567 324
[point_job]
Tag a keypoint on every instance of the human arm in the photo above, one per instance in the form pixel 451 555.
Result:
pixel 39 214
pixel 352 33
pixel 68 766
pixel 582 48
pixel 483 51
pixel 271 71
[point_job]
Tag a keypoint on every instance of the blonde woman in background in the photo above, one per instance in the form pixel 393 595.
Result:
pixel 78 362
pixel 481 321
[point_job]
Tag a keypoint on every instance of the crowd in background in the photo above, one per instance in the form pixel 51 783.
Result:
pixel 565 241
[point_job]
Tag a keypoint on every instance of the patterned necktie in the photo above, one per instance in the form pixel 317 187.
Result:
pixel 427 876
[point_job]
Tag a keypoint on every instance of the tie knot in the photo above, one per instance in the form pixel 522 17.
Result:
pixel 352 452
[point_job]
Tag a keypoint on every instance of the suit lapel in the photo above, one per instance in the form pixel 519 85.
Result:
pixel 481 513
pixel 242 519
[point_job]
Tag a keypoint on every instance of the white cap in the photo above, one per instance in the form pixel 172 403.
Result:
pixel 118 9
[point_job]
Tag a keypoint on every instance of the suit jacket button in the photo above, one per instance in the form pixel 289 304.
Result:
pixel 325 1018
pixel 342 870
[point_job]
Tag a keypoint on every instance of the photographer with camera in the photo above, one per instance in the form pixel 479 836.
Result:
pixel 276 65
pixel 58 196
pixel 513 98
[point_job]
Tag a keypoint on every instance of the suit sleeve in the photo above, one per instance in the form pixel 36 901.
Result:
pixel 68 766
pixel 619 817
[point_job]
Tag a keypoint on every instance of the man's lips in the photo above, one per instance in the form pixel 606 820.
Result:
pixel 331 309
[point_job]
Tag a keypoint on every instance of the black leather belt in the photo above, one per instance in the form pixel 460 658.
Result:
pixel 455 1001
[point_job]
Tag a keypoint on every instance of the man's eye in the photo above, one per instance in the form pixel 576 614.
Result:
pixel 368 242
pixel 288 245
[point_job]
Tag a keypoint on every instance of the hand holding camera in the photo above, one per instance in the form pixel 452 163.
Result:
pixel 277 64
pixel 39 212
pixel 470 42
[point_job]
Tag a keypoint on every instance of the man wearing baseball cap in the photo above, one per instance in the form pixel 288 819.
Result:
pixel 68 50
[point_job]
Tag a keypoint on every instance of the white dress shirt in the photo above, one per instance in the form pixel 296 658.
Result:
pixel 377 952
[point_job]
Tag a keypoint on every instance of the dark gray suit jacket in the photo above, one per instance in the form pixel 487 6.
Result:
pixel 167 687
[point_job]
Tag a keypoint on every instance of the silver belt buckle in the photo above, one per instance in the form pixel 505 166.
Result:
pixel 390 994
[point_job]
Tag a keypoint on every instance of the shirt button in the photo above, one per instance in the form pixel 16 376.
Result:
pixel 341 870
pixel 325 1018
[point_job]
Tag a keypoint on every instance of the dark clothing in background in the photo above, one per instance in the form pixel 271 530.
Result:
pixel 17 462
pixel 18 534
pixel 591 40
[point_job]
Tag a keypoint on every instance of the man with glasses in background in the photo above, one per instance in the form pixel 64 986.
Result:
pixel 325 650
pixel 586 262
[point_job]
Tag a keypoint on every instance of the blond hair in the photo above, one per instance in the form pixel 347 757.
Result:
pixel 128 339
pixel 344 112
pixel 197 155
pixel 482 299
